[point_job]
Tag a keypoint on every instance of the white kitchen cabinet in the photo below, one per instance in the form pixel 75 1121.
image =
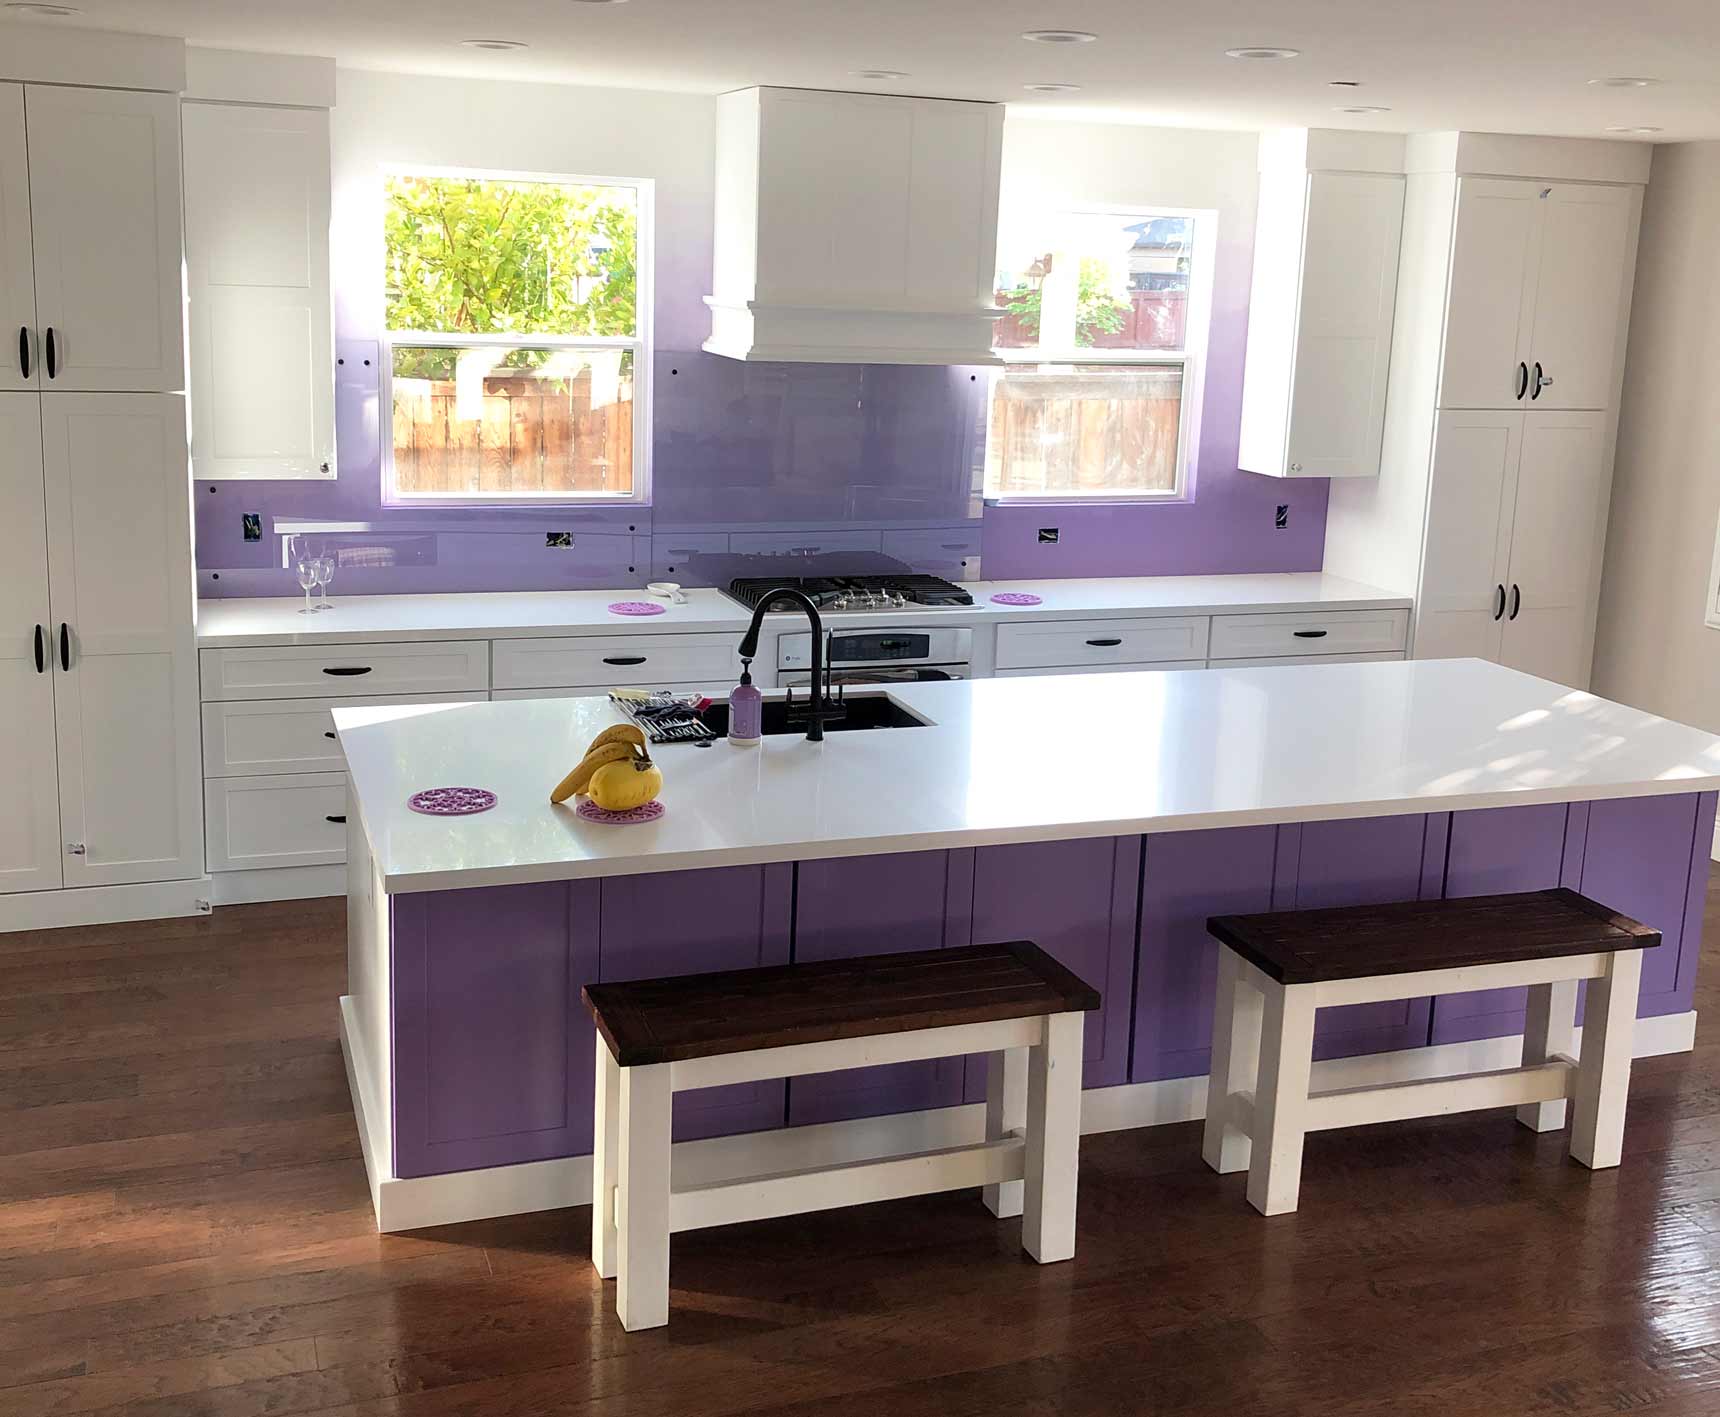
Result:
pixel 120 591
pixel 257 268
pixel 339 671
pixel 1321 310
pixel 105 217
pixel 1318 633
pixel 263 737
pixel 1534 316
pixel 29 784
pixel 597 662
pixel 265 823
pixel 1514 535
pixel 1134 643
pixel 855 228
pixel 19 356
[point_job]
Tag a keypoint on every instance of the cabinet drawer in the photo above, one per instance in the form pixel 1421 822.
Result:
pixel 257 822
pixel 1062 669
pixel 1380 658
pixel 714 690
pixel 257 737
pixel 1323 633
pixel 329 671
pixel 1101 642
pixel 604 661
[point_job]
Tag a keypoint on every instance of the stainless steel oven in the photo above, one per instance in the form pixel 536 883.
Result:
pixel 905 656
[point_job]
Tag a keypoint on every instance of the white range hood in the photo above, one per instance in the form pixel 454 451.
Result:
pixel 855 228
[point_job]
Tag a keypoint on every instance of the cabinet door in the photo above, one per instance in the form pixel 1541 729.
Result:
pixel 17 273
pixel 1579 290
pixel 686 922
pixel 876 905
pixel 30 822
pixel 1556 542
pixel 104 210
pixel 1491 294
pixel 119 582
pixel 1467 553
pixel 1076 901
pixel 1344 330
pixel 257 270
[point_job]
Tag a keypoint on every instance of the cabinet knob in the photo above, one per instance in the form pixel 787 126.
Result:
pixel 75 848
pixel 1295 467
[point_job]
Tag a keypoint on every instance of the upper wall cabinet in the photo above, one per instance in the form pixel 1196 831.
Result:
pixel 257 264
pixel 18 357
pixel 855 228
pixel 1320 316
pixel 1534 319
pixel 104 217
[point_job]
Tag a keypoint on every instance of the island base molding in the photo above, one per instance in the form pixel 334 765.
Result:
pixel 418 1202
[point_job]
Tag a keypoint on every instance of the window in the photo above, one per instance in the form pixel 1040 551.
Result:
pixel 1107 317
pixel 518 350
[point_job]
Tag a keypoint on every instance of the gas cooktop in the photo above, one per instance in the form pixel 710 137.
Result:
pixel 854 593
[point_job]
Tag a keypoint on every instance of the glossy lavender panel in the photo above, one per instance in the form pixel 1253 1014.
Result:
pixel 688 922
pixel 1186 877
pixel 493 1054
pixel 875 905
pixel 1076 901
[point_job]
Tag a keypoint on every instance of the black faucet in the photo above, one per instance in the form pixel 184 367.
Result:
pixel 820 707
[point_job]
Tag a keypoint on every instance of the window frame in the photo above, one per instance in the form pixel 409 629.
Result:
pixel 641 342
pixel 1191 359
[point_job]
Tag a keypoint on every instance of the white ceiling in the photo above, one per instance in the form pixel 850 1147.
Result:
pixel 1482 64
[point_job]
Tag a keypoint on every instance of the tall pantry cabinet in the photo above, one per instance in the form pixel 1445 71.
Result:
pixel 98 693
pixel 1514 289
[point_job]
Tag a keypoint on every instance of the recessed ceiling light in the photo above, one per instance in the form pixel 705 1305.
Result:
pixel 1261 51
pixel 58 12
pixel 495 44
pixel 1344 84
pixel 599 2
pixel 1361 108
pixel 1060 36
pixel 879 74
pixel 1639 132
pixel 1052 88
pixel 1623 82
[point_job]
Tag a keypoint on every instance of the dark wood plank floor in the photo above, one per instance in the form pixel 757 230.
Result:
pixel 184 1229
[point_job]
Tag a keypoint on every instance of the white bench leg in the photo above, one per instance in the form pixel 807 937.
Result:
pixel 1603 1071
pixel 1551 1028
pixel 1005 1112
pixel 605 1136
pixel 1235 1062
pixel 642 1290
pixel 1053 1140
pixel 1281 1098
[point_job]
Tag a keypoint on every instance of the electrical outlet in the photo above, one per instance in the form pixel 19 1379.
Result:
pixel 555 539
pixel 1282 519
pixel 253 526
pixel 1047 536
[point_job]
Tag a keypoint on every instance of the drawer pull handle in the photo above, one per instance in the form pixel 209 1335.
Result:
pixel 328 733
pixel 624 659
pixel 346 671
pixel 1309 634
pixel 338 821
pixel 41 653
pixel 1104 644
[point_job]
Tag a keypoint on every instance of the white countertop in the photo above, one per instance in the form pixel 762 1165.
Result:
pixel 275 620
pixel 1014 760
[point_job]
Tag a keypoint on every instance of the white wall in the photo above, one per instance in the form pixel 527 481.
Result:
pixel 381 120
pixel 1652 648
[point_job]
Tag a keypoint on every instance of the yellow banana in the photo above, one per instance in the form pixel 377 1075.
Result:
pixel 577 780
pixel 620 733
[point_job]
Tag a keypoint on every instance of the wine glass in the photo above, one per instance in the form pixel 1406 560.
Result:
pixel 307 573
pixel 325 574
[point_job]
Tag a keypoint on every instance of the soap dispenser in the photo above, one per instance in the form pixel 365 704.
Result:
pixel 746 710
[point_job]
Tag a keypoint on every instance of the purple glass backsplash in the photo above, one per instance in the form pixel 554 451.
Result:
pixel 764 457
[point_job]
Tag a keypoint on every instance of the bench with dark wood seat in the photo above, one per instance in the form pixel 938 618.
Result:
pixel 660 1036
pixel 1277 968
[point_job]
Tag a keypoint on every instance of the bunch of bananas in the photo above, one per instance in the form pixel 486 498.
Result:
pixel 616 772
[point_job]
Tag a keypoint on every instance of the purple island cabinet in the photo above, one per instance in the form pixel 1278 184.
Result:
pixel 492 1050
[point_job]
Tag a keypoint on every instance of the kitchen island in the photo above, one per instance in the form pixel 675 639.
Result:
pixel 1104 818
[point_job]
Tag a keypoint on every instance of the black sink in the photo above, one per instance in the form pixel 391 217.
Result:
pixel 855 712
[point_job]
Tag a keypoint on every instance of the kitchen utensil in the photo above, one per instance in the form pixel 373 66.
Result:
pixel 669 590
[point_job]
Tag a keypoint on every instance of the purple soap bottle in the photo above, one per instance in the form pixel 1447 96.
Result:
pixel 746 710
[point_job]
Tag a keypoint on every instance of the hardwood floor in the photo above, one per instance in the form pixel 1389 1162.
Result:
pixel 185 1229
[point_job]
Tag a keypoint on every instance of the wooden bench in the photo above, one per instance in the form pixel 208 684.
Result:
pixel 660 1036
pixel 1276 969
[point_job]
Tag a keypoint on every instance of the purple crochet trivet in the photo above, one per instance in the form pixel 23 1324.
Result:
pixel 591 812
pixel 1016 597
pixel 451 801
pixel 636 607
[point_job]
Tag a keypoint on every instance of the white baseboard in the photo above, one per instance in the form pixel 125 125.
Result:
pixel 281 883
pixel 413 1203
pixel 104 905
